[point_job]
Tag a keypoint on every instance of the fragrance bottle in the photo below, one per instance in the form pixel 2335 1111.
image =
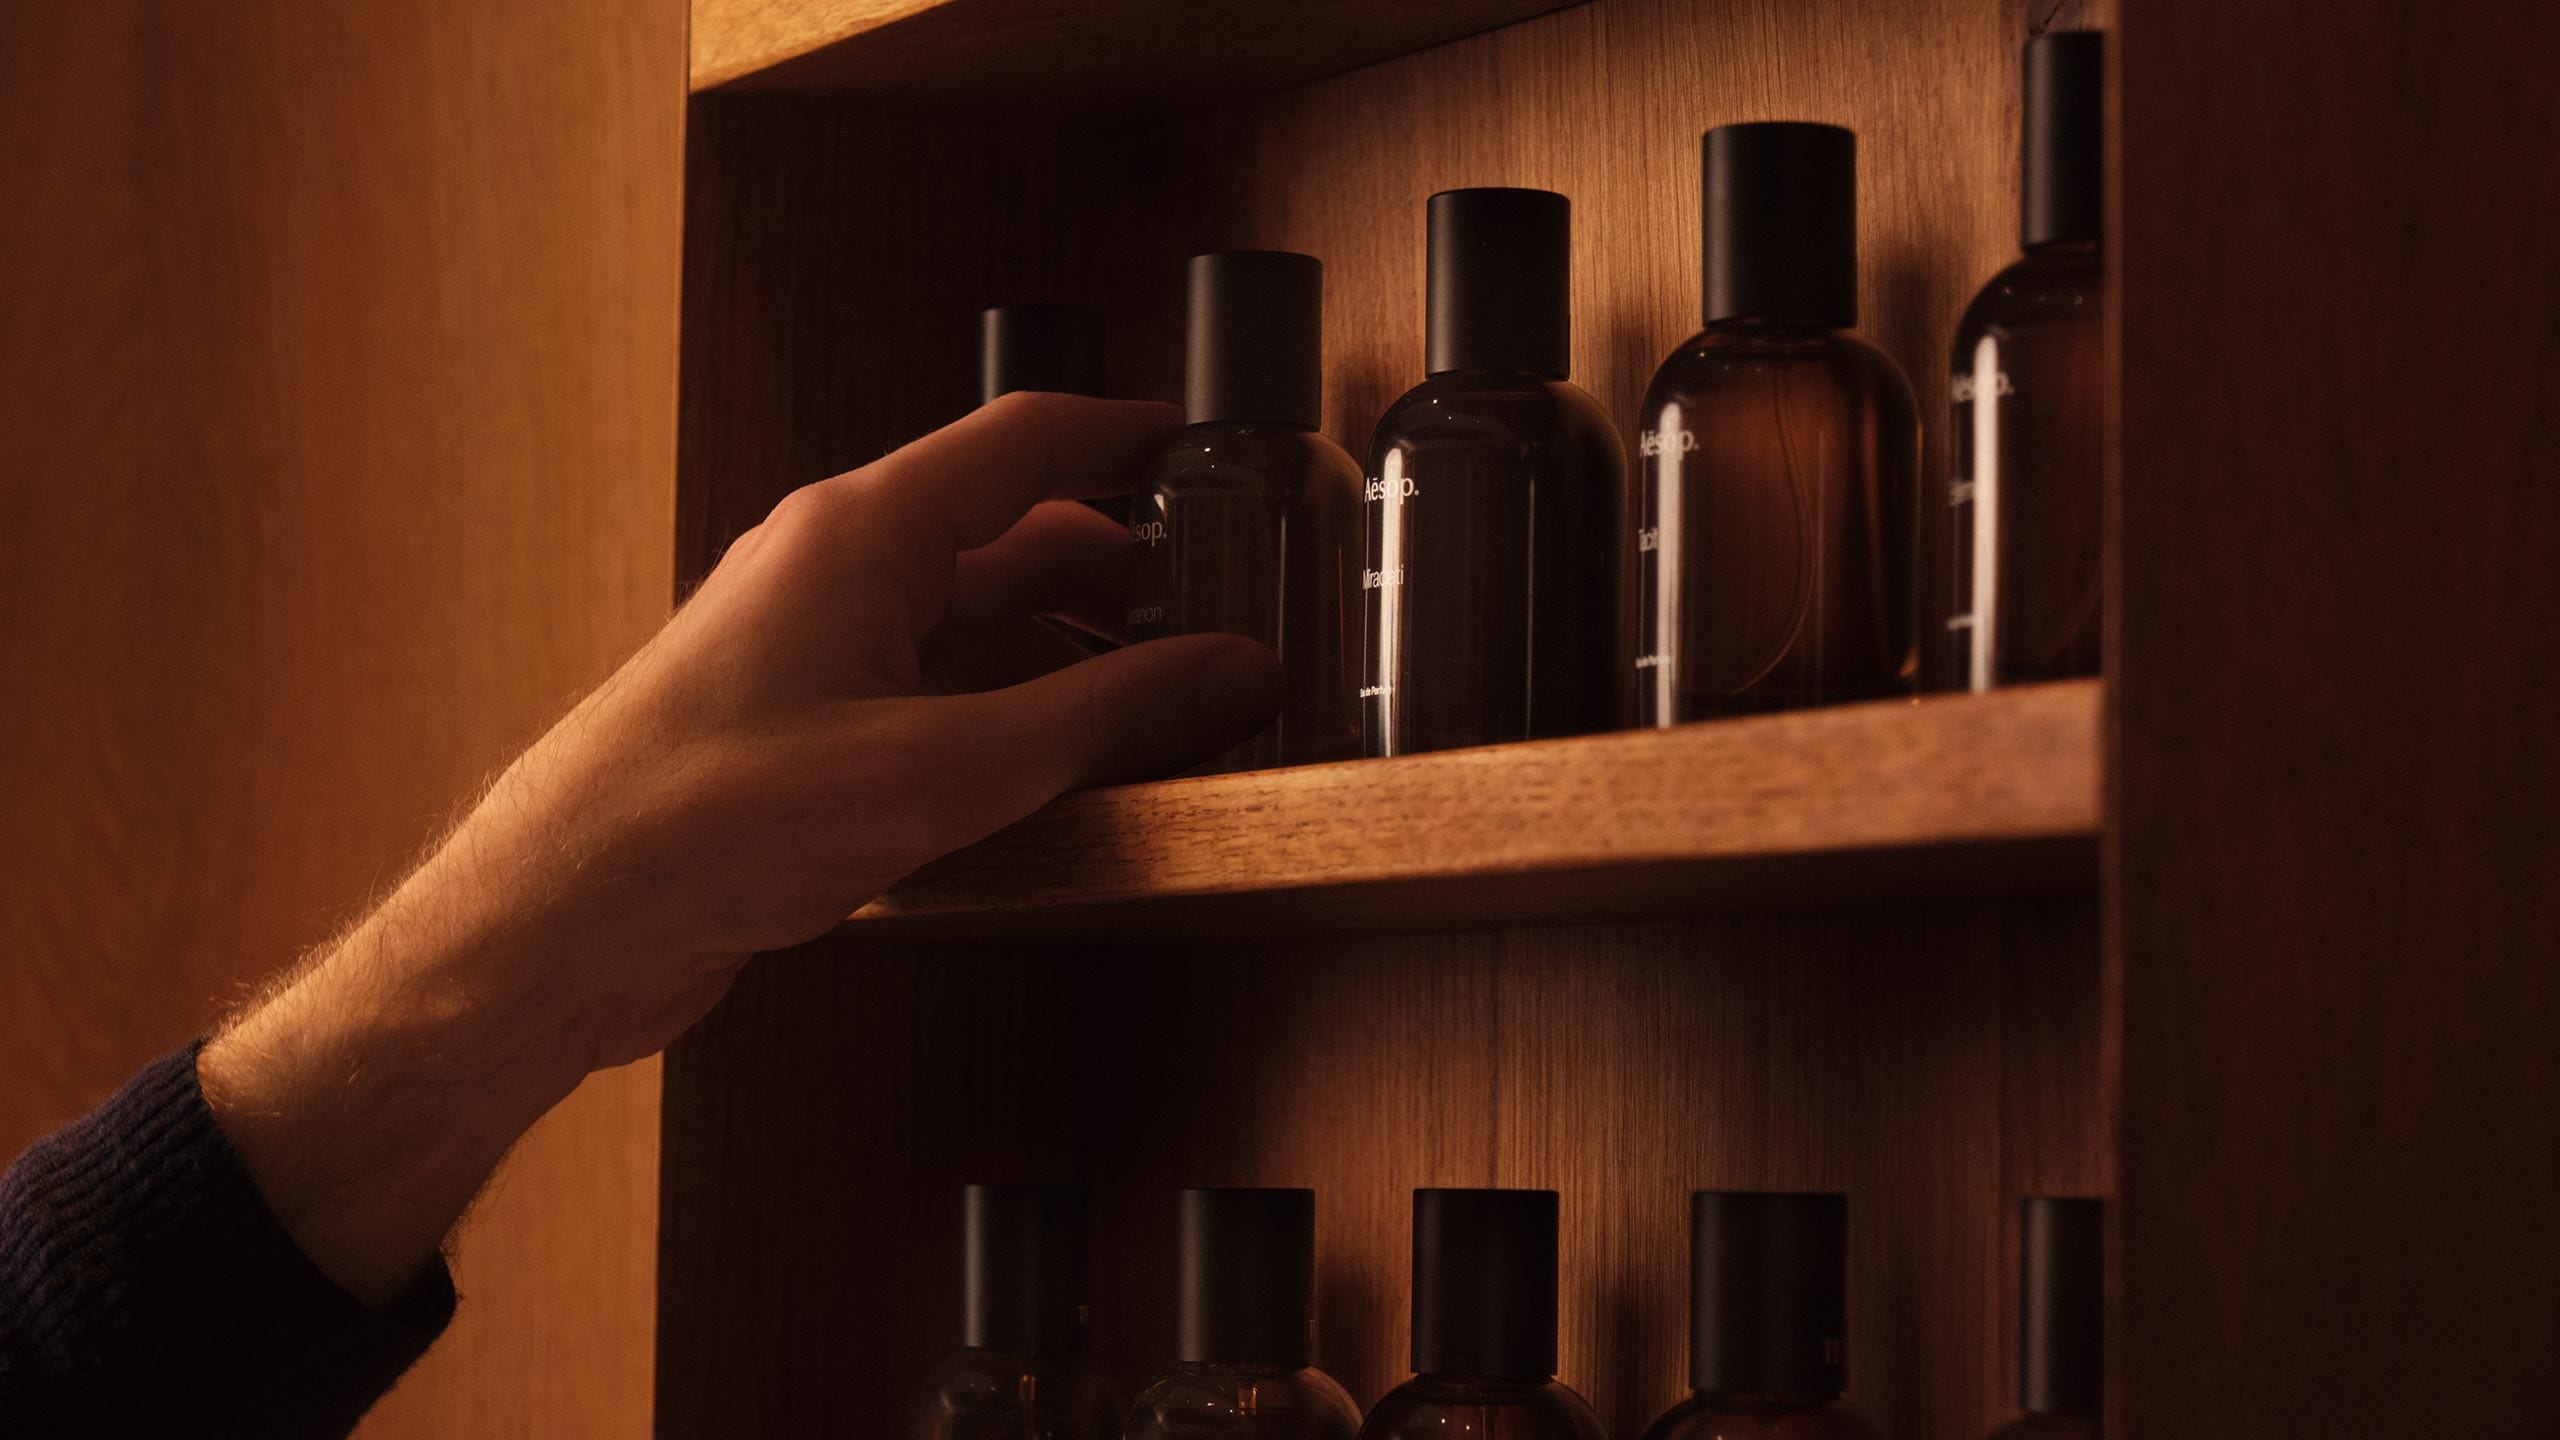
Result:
pixel 1767 1321
pixel 2015 571
pixel 1491 496
pixel 2061 1320
pixel 1484 1325
pixel 1244 1366
pixel 1022 1372
pixel 1052 348
pixel 1249 522
pixel 1056 348
pixel 1770 531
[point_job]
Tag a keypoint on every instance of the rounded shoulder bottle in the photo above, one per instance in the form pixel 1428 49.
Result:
pixel 2015 534
pixel 2061 1320
pixel 1484 1325
pixel 1249 521
pixel 1767 1321
pixel 1770 543
pixel 1023 1371
pixel 1491 501
pixel 1244 1351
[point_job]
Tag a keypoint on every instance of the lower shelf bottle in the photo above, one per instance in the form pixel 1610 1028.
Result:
pixel 1244 1353
pixel 1484 1325
pixel 2061 1325
pixel 1767 1321
pixel 1023 1371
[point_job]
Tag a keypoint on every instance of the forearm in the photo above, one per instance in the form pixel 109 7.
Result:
pixel 373 1097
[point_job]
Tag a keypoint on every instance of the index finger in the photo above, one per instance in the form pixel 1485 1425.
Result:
pixel 966 484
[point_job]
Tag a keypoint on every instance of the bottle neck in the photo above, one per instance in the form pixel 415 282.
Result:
pixel 2064 250
pixel 1234 423
pixel 1504 376
pixel 1757 1402
pixel 1486 1383
pixel 1773 328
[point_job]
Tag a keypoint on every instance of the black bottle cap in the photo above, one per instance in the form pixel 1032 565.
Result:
pixel 1768 1285
pixel 2062 1308
pixel 1257 338
pixel 2062 176
pixel 1484 1283
pixel 1501 282
pixel 1056 348
pixel 1248 1278
pixel 1026 1280
pixel 1781 206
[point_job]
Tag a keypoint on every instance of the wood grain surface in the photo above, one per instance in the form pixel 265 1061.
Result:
pixel 2339 788
pixel 336 420
pixel 1124 54
pixel 1988 793
pixel 1938 1057
pixel 1933 1061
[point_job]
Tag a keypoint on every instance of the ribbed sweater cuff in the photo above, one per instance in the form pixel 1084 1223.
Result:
pixel 145 1287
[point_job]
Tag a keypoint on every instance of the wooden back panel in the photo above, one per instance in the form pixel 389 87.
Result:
pixel 1934 1063
pixel 1935 1060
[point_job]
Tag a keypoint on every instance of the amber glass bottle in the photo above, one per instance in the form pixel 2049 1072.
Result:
pixel 2061 1320
pixel 1768 1315
pixel 1056 348
pixel 1022 1372
pixel 1770 531
pixel 1492 501
pixel 1244 1347
pixel 2015 567
pixel 1249 522
pixel 1484 1325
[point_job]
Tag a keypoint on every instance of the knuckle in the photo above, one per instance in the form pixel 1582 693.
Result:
pixel 817 510
pixel 1026 407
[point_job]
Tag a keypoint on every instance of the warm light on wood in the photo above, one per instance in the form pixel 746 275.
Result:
pixel 1058 49
pixel 1982 793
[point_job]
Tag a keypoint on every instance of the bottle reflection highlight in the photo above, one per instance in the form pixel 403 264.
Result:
pixel 1770 544
pixel 1491 499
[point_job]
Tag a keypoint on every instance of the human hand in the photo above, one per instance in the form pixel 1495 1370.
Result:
pixel 785 747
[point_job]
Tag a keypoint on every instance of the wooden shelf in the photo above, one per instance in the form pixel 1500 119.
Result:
pixel 1962 795
pixel 1012 51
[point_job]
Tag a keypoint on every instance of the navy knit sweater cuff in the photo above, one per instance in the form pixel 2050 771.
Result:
pixel 145 1287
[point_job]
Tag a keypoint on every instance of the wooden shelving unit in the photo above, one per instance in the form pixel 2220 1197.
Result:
pixel 2243 939
pixel 1852 949
pixel 1966 795
pixel 1134 52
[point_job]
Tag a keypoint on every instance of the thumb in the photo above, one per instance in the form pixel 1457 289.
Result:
pixel 1135 713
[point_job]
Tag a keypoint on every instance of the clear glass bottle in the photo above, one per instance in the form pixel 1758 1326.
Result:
pixel 1768 1320
pixel 1245 1326
pixel 1484 1325
pixel 2016 569
pixel 1492 496
pixel 1024 1370
pixel 1249 522
pixel 2062 1267
pixel 1769 546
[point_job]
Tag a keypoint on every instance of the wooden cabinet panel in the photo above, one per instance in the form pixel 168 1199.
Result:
pixel 2338 788
pixel 336 424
